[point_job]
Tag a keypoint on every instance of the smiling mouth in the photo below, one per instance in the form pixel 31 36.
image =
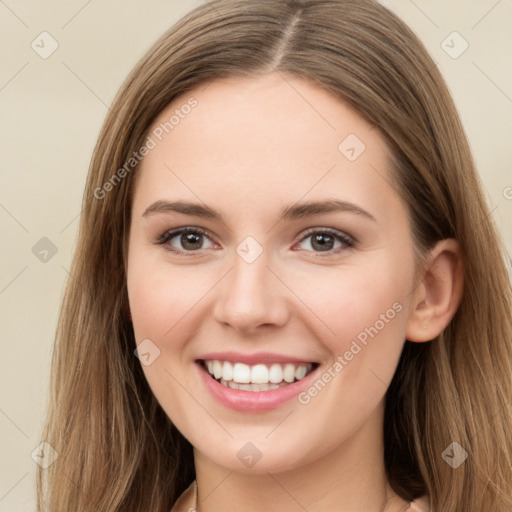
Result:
pixel 258 377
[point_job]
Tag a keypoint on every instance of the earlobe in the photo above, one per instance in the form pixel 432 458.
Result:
pixel 438 296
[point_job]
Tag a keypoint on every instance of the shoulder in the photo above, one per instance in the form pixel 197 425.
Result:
pixel 420 505
pixel 186 501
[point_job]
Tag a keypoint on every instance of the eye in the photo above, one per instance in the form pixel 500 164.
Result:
pixel 189 239
pixel 325 240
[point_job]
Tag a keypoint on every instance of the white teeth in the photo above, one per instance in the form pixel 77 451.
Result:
pixel 259 374
pixel 300 372
pixel 276 373
pixel 289 373
pixel 217 369
pixel 227 371
pixel 248 378
pixel 251 387
pixel 241 373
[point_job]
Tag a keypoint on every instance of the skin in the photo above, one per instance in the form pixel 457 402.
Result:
pixel 249 148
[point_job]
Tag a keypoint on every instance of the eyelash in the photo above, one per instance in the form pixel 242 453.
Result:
pixel 346 240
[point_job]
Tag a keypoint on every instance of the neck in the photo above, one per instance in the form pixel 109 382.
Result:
pixel 348 478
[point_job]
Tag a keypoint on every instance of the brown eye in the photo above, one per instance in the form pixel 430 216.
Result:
pixel 191 241
pixel 322 242
pixel 185 240
pixel 326 241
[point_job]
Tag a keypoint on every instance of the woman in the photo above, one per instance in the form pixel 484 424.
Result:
pixel 283 219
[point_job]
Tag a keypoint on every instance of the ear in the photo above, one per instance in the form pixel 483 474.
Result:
pixel 439 293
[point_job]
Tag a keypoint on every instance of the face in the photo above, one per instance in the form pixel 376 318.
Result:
pixel 247 277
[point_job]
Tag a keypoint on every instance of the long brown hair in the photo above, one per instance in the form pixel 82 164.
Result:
pixel 118 451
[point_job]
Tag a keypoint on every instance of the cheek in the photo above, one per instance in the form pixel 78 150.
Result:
pixel 365 311
pixel 162 299
pixel 360 318
pixel 370 312
pixel 161 295
pixel 350 301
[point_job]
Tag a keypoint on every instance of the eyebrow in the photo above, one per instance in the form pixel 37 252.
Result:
pixel 293 212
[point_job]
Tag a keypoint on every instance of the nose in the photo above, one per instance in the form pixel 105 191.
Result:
pixel 251 297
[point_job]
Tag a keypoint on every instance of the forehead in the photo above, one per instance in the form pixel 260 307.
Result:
pixel 259 138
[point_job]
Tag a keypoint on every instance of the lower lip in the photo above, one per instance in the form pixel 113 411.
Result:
pixel 254 401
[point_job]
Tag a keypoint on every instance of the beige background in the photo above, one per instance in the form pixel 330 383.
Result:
pixel 51 111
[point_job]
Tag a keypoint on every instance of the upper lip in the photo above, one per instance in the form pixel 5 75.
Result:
pixel 252 359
